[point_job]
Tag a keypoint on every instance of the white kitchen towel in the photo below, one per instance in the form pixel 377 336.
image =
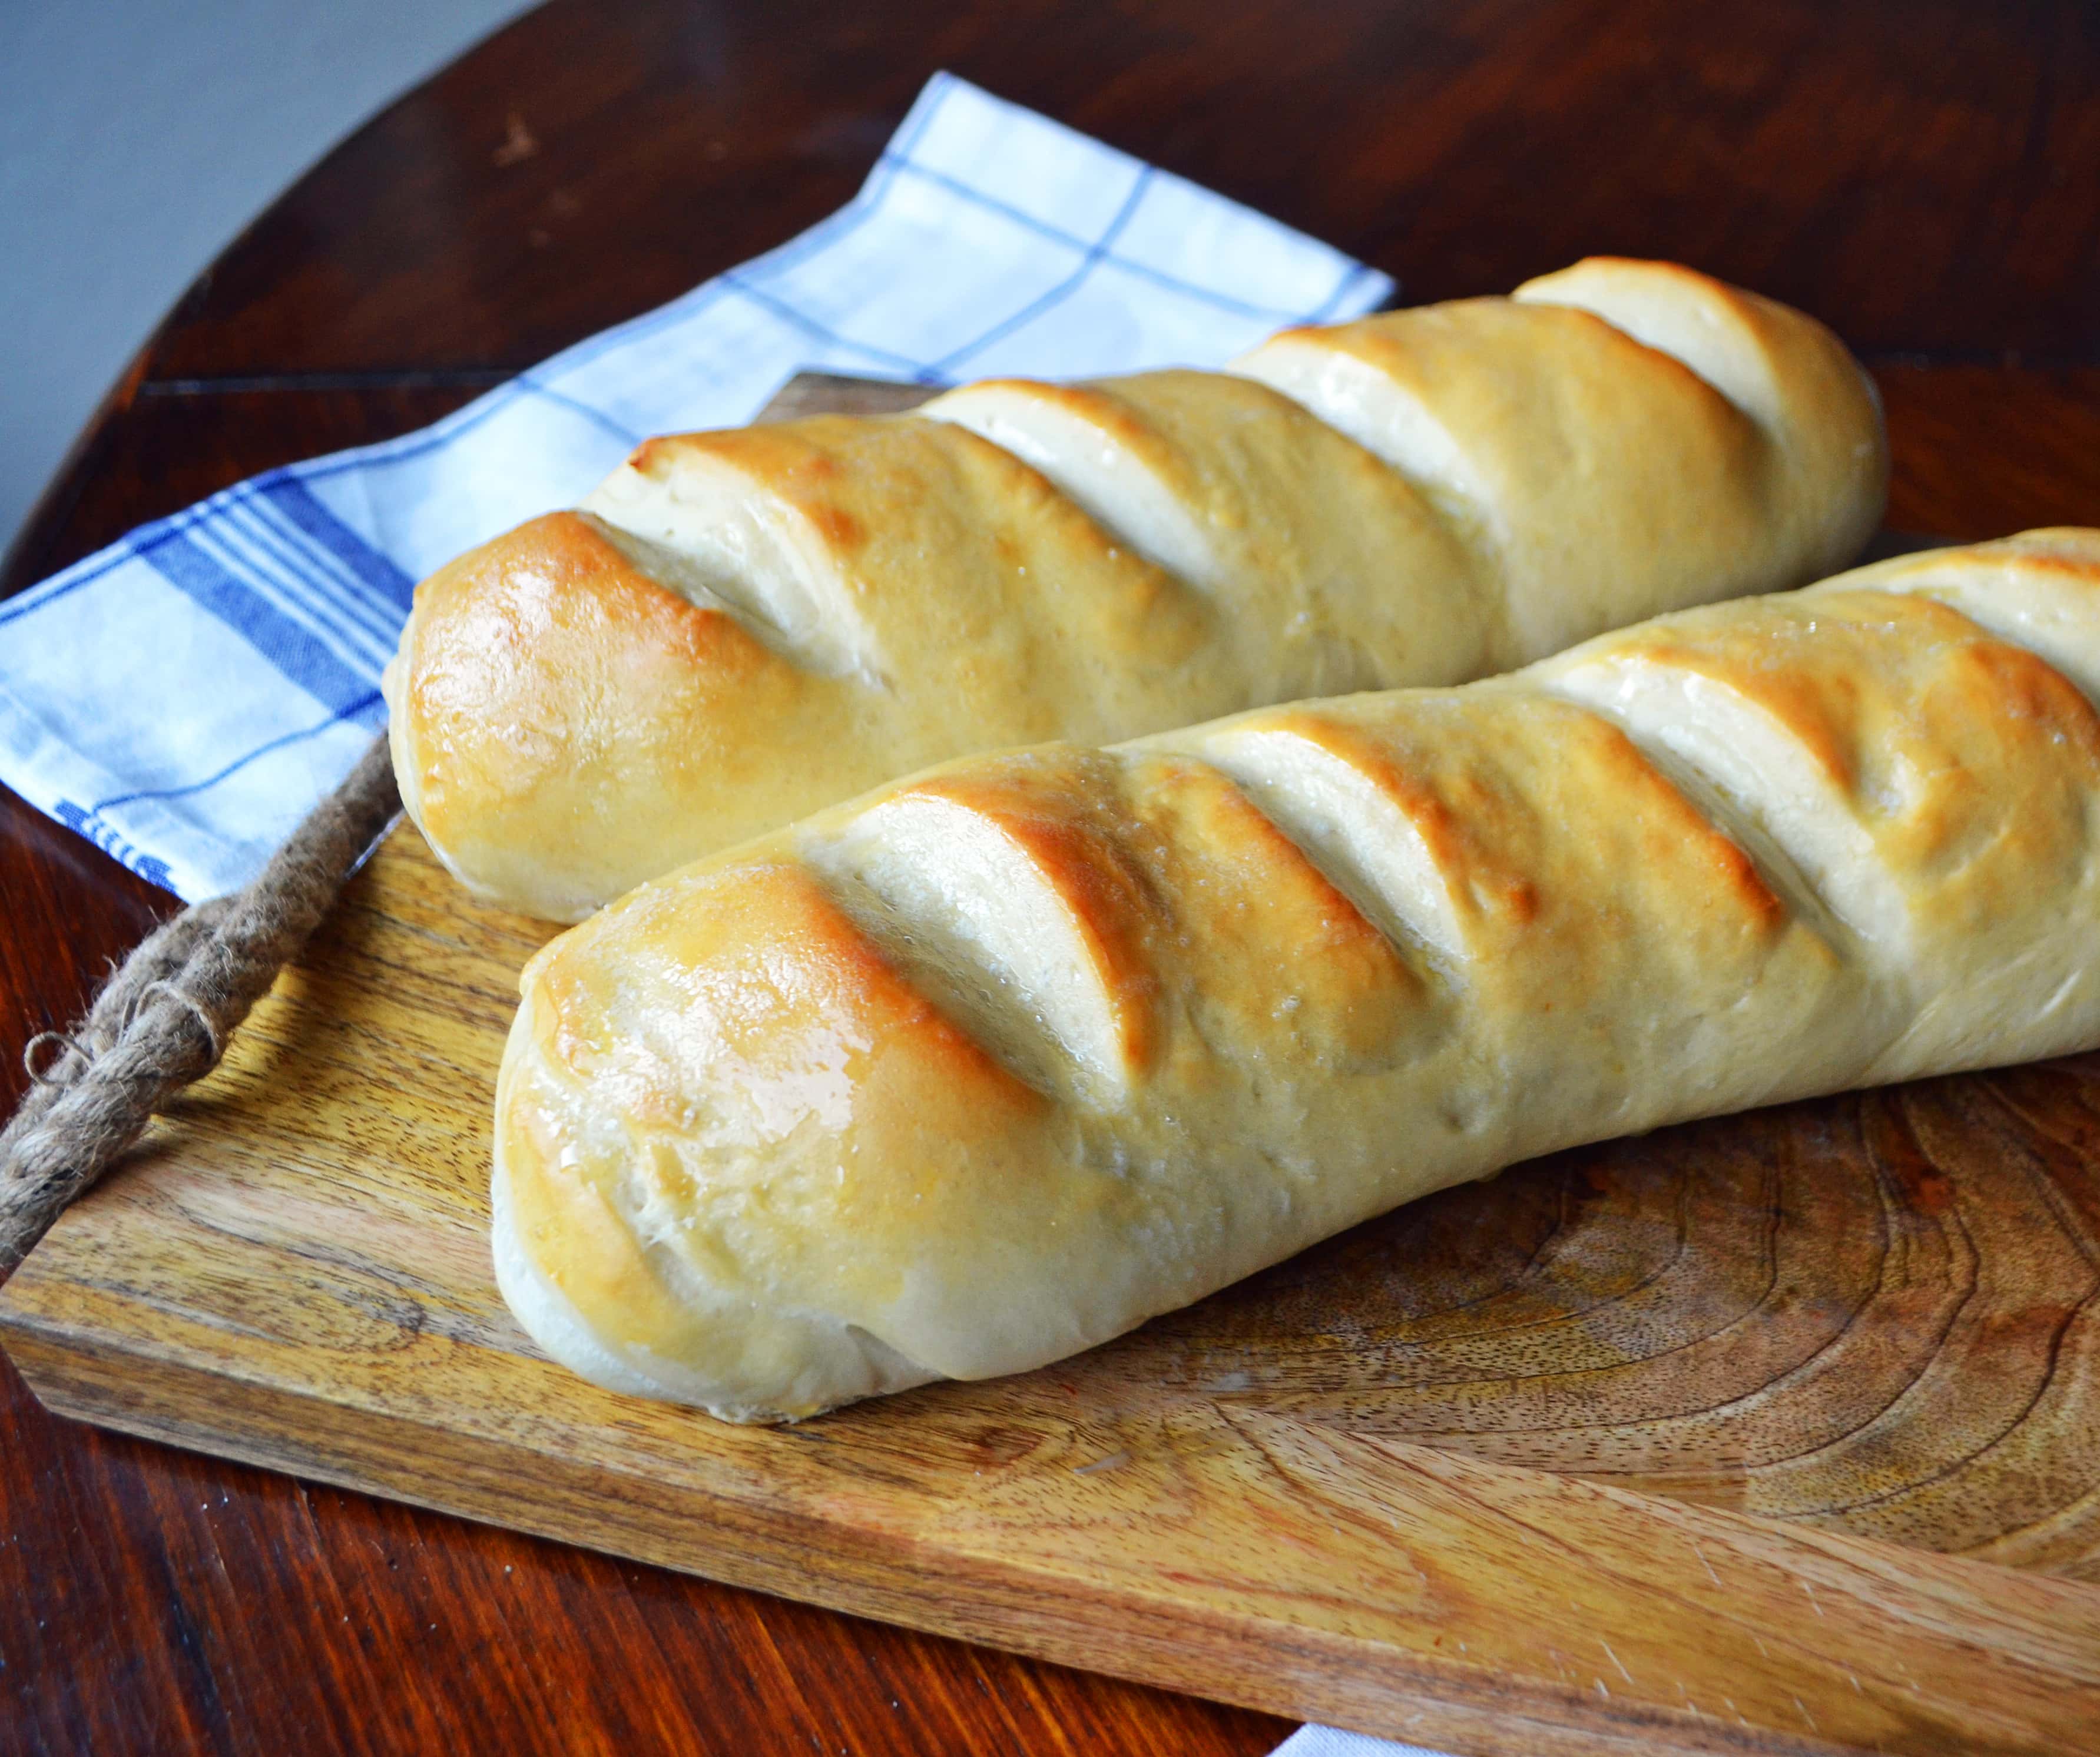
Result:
pixel 183 697
pixel 1332 1741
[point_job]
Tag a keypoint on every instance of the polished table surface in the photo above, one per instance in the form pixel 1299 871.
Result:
pixel 1923 174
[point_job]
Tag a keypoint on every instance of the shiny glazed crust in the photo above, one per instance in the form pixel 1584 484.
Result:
pixel 738 628
pixel 1002 1058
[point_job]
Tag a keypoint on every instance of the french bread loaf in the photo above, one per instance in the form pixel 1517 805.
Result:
pixel 998 1061
pixel 737 628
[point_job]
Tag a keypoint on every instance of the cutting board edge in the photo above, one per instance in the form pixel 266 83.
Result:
pixel 1308 1673
pixel 100 1400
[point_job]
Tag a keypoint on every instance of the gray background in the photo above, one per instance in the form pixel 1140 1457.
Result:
pixel 136 138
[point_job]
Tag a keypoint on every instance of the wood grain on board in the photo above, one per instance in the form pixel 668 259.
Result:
pixel 1835 1312
pixel 1916 172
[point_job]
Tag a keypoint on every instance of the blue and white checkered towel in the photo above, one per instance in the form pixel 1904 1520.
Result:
pixel 184 697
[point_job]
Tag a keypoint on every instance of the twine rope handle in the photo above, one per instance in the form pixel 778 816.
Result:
pixel 162 1020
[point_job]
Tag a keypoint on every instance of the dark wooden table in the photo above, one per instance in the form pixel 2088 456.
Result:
pixel 1923 174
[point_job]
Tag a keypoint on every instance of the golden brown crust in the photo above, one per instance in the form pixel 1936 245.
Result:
pixel 1820 415
pixel 1958 770
pixel 740 627
pixel 1081 862
pixel 1002 1058
pixel 613 688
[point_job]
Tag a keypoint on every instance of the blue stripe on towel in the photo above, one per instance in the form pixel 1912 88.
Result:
pixel 286 493
pixel 292 649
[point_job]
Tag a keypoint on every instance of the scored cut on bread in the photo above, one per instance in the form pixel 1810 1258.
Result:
pixel 998 1061
pixel 737 628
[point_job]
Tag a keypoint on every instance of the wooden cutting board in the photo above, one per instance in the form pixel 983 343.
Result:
pixel 1409 1481
pixel 1776 1433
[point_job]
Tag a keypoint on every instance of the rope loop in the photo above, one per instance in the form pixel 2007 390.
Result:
pixel 47 1075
